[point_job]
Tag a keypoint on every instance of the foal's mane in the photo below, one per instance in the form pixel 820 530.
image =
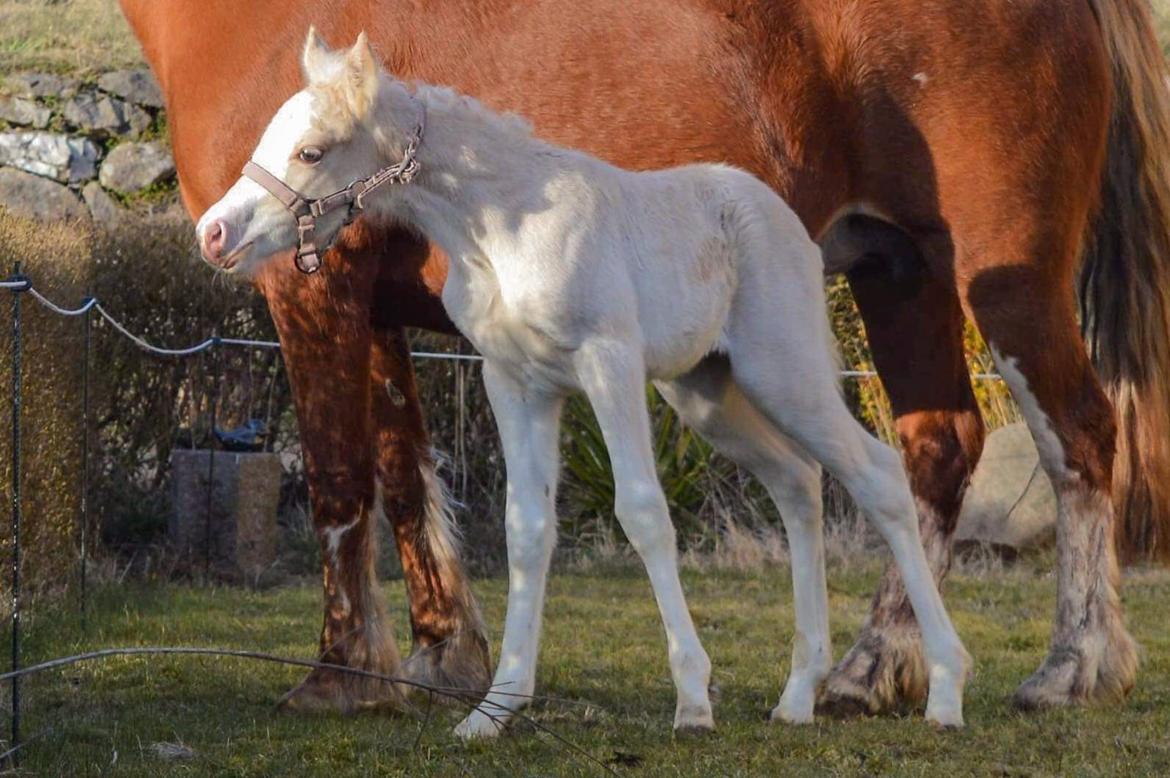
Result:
pixel 344 91
pixel 460 106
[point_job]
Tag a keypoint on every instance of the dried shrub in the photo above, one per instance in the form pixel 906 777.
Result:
pixel 51 440
pixel 147 277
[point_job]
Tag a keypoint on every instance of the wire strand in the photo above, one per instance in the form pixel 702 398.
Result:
pixel 91 303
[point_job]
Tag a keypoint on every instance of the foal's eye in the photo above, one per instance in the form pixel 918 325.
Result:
pixel 310 155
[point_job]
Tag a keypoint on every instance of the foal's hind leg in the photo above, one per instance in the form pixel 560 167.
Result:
pixel 872 474
pixel 787 370
pixel 708 400
pixel 613 378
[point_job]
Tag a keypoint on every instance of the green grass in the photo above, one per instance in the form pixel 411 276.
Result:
pixel 65 36
pixel 603 646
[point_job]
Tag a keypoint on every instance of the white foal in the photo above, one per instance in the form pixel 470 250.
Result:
pixel 568 275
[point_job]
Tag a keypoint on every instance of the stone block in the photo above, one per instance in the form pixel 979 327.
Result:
pixel 33 197
pixel 245 496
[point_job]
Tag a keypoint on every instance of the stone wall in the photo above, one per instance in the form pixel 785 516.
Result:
pixel 73 149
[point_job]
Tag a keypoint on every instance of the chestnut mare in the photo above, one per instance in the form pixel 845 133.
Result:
pixel 952 157
pixel 572 276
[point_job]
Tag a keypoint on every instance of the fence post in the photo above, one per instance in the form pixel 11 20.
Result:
pixel 16 504
pixel 86 325
pixel 216 360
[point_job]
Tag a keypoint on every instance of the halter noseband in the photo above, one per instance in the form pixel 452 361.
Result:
pixel 307 210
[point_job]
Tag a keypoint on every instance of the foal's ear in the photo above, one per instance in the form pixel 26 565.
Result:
pixel 315 57
pixel 361 77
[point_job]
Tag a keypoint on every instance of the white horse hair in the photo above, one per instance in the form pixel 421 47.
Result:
pixel 569 274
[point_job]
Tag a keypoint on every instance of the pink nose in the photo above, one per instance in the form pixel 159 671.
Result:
pixel 214 239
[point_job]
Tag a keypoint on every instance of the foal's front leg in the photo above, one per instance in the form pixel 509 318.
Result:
pixel 528 422
pixel 614 379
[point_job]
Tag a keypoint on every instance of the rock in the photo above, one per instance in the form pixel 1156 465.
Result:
pixel 170 752
pixel 56 156
pixel 41 85
pixel 132 167
pixel 22 110
pixel 105 115
pixel 105 211
pixel 135 86
pixel 1010 505
pixel 32 197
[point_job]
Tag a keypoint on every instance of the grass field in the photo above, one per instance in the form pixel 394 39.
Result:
pixel 604 649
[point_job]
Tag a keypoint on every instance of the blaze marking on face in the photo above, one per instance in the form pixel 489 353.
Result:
pixel 291 123
pixel 249 218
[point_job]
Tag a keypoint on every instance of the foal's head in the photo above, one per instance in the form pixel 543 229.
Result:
pixel 331 133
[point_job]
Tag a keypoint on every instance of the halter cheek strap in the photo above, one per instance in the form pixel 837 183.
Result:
pixel 307 210
pixel 307 259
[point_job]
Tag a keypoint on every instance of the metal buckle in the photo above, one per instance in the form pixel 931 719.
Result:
pixel 308 263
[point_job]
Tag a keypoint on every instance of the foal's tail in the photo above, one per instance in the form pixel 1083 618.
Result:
pixel 1125 281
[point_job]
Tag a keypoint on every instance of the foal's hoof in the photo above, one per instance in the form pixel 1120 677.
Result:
pixel 479 726
pixel 694 730
pixel 798 701
pixel 945 719
pixel 693 721
pixel 791 715
pixel 942 726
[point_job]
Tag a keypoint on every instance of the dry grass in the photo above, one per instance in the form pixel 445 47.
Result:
pixel 65 36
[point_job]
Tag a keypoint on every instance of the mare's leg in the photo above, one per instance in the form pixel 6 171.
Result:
pixel 528 421
pixel 1018 237
pixel 323 321
pixel 450 647
pixel 1027 316
pixel 708 400
pixel 914 323
pixel 788 371
pixel 614 380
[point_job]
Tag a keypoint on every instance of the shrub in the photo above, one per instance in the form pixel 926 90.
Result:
pixel 145 275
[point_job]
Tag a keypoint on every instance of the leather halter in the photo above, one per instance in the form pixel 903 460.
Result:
pixel 307 210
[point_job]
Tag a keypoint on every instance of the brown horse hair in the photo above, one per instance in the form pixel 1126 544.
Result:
pixel 1125 280
pixel 466 649
pixel 990 133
